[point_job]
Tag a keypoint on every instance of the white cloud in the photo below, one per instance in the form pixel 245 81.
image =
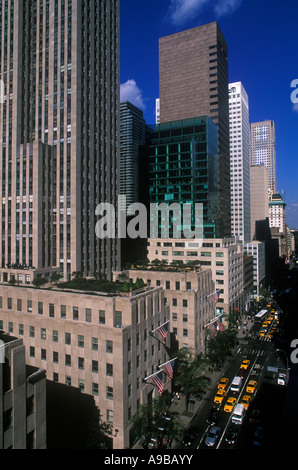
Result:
pixel 226 7
pixel 180 11
pixel 129 91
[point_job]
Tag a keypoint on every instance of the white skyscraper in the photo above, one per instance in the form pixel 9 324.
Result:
pixel 239 161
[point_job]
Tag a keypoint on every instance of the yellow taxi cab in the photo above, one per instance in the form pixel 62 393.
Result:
pixel 230 403
pixel 269 305
pixel 273 310
pixel 251 386
pixel 262 333
pixel 245 364
pixel 223 383
pixel 219 396
pixel 270 318
pixel 246 399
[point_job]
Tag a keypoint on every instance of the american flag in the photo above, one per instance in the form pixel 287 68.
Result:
pixel 170 369
pixel 216 296
pixel 163 331
pixel 213 328
pixel 158 381
pixel 220 323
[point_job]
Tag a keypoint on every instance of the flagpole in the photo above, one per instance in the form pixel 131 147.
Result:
pixel 152 375
pixel 160 326
pixel 168 362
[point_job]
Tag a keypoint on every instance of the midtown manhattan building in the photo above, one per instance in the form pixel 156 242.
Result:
pixel 263 149
pixel 59 133
pixel 183 169
pixel 133 132
pixel 193 82
pixel 98 342
pixel 240 163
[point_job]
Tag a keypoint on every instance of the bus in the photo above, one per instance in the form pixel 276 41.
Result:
pixel 259 317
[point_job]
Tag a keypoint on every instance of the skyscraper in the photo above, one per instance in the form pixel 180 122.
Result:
pixel 59 132
pixel 133 131
pixel 240 163
pixel 193 74
pixel 263 149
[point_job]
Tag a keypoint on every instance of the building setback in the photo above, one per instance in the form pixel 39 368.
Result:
pixel 193 81
pixel 59 132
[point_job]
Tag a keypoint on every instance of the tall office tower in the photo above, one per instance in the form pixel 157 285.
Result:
pixel 59 132
pixel 133 132
pixel 183 169
pixel 263 149
pixel 193 74
pixel 239 163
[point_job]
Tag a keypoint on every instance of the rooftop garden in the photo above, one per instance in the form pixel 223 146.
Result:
pixel 163 265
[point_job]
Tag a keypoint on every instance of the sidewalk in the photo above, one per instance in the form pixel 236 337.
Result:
pixel 186 417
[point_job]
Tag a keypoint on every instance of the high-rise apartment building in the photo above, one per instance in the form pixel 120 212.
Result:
pixel 59 132
pixel 263 149
pixel 133 131
pixel 193 81
pixel 239 163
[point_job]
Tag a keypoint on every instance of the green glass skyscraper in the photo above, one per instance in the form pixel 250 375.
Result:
pixel 183 169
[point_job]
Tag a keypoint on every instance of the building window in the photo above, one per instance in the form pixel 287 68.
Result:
pixel 88 315
pixel 55 336
pixel 32 351
pixel 118 319
pixel 68 360
pixel 21 329
pixel 110 393
pixel 82 385
pixel 102 317
pixel 63 311
pixel 43 334
pixel 109 370
pixel 51 310
pixel 95 389
pixel 40 308
pixel 95 367
pixel 29 306
pixel 55 357
pixel 67 338
pixel 94 344
pixel 19 305
pixel 109 346
pixel 75 313
pixel 43 355
pixel 81 363
pixel 81 341
pixel 31 331
pixel 9 303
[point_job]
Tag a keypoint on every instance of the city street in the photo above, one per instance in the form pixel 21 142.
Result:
pixel 264 410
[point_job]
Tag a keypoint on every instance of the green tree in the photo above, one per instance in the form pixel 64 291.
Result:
pixel 219 347
pixel 156 420
pixel 190 377
pixel 39 281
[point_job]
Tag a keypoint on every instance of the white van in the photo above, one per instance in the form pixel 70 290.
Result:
pixel 238 414
pixel 236 384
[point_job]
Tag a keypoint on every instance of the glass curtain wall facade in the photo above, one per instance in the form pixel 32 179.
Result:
pixel 183 169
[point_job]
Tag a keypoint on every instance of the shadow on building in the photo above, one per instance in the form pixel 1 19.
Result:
pixel 70 414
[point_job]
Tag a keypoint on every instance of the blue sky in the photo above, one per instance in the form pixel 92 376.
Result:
pixel 262 37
